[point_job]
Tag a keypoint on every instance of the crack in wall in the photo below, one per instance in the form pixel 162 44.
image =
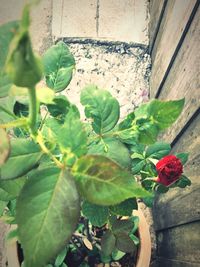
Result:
pixel 97 18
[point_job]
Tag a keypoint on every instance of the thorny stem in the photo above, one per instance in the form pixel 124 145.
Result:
pixel 39 139
pixel 43 120
pixel 33 109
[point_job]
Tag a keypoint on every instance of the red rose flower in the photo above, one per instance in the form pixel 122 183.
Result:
pixel 169 170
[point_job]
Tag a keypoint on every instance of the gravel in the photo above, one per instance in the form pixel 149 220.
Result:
pixel 119 68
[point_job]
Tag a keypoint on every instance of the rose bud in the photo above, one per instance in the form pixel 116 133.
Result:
pixel 169 170
pixel 23 66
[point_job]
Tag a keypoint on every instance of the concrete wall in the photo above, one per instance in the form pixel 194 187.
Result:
pixel 41 16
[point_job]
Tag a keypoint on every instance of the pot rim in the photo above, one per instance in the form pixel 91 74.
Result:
pixel 144 252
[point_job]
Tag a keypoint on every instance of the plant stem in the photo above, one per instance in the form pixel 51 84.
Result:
pixel 15 123
pixel 43 121
pixel 39 139
pixel 33 110
pixel 86 223
pixel 149 179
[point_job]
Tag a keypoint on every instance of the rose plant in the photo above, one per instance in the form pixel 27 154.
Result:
pixel 61 175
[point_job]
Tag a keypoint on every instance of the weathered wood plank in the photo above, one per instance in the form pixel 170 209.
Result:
pixel 155 9
pixel 184 78
pixel 180 243
pixel 180 206
pixel 162 262
pixel 175 19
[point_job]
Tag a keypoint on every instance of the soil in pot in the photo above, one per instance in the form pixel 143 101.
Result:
pixel 82 252
pixel 85 253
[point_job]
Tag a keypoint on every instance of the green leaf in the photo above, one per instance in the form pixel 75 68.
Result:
pixel 3 204
pixel 125 243
pixel 183 182
pixel 10 212
pixel 98 215
pixel 128 130
pixel 59 64
pixel 183 157
pixel 117 254
pixel 5 196
pixel 108 243
pixel 142 130
pixel 148 201
pixel 5 84
pixel 10 189
pixel 148 131
pixel 125 208
pixel 135 220
pixel 113 149
pixel 123 226
pixel 142 111
pixel 103 182
pixel 162 189
pixel 165 113
pixel 60 258
pixel 135 239
pixel 24 156
pixel 60 107
pixel 158 150
pixel 145 123
pixel 6 109
pixel 45 95
pixel 129 136
pixel 137 156
pixel 105 259
pixel 7 32
pixel 148 184
pixel 22 66
pixel 137 148
pixel 4 146
pixel 137 165
pixel 47 214
pixel 101 107
pixel 20 94
pixel 70 135
pixel 127 122
pixel 162 113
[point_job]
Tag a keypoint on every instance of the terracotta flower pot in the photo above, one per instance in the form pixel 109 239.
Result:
pixel 144 253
